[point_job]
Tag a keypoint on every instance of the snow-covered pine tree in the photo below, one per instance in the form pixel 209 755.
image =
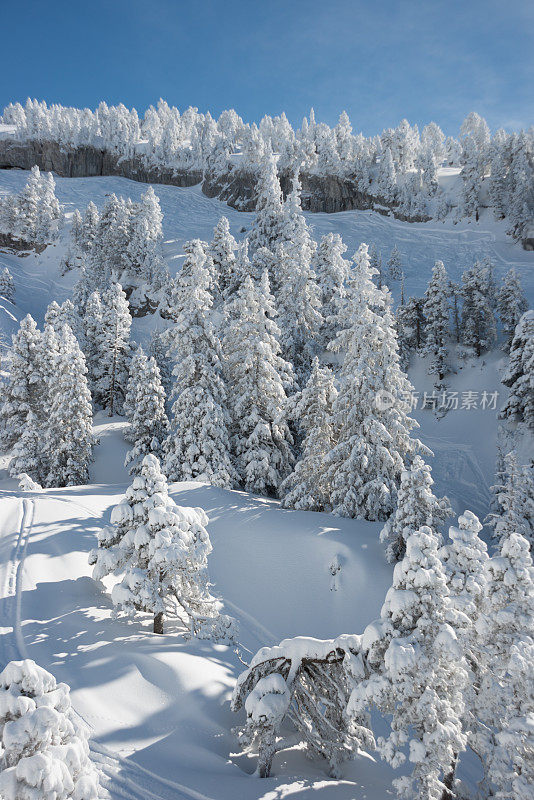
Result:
pixel 511 304
pixel 23 389
pixel 386 181
pixel 7 286
pixel 311 409
pixel 222 251
pixel 157 349
pixel 69 432
pixel 48 212
pixel 519 375
pixel 91 218
pixel 371 410
pixel 504 706
pixel 44 751
pixel 436 312
pixel 161 551
pixel 76 229
pixel 197 447
pixel 478 321
pixel 269 220
pixel 112 367
pixel 28 202
pixel 92 328
pixel 298 295
pixel 144 407
pixel 417 505
pixel 514 496
pixel 394 265
pixel 146 237
pixel 27 454
pixel 258 378
pixel 414 638
pixel 332 272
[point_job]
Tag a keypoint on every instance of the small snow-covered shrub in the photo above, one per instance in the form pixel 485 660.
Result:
pixel 44 754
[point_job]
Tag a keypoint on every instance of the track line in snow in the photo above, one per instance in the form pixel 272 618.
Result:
pixel 15 647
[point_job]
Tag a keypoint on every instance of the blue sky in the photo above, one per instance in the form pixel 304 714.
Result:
pixel 381 60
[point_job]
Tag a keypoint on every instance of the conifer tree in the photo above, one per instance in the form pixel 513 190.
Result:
pixel 7 286
pixel 197 447
pixel 45 752
pixel 298 295
pixel 417 505
pixel 258 377
pixel 144 407
pixel 332 272
pixel 414 637
pixel 27 455
pixel 23 389
pixel 505 630
pixel 92 326
pixel 89 232
pixel 69 434
pixel 436 312
pixel 161 550
pixel 395 265
pixel 519 375
pixel 478 321
pixel 269 221
pixel 371 410
pixel 222 251
pixel 305 488
pixel 112 370
pixel 386 182
pixel 515 501
pixel 511 304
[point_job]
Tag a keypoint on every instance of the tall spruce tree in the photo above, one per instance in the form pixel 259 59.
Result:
pixel 519 375
pixel 258 378
pixel 436 312
pixel 197 447
pixel 145 409
pixel 371 410
pixel 115 349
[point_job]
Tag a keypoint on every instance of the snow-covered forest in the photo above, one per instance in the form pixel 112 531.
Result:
pixel 396 169
pixel 266 477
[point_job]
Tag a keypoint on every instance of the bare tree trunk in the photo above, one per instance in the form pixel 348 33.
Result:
pixel 448 780
pixel 158 623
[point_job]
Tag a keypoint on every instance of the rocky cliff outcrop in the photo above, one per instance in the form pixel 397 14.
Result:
pixel 237 187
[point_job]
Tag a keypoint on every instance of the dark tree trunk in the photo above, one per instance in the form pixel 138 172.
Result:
pixel 158 623
pixel 448 780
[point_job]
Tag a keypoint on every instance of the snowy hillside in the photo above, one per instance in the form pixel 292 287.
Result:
pixel 158 707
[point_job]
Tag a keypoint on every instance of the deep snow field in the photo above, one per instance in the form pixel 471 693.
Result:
pixel 158 706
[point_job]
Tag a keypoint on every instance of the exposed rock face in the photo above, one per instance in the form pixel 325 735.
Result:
pixel 237 187
pixel 11 243
pixel 87 162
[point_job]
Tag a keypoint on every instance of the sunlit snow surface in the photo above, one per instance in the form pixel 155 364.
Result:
pixel 158 706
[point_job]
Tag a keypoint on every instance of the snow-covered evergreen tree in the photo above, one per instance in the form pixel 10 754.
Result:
pixel 519 375
pixel 371 410
pixel 258 378
pixel 91 218
pixel 92 329
pixel 298 296
pixel 269 220
pixel 69 431
pixel 332 272
pixel 222 251
pixel 144 407
pixel 478 321
pixel 197 447
pixel 511 304
pixel 417 505
pixel 160 550
pixel 386 182
pixel 44 752
pixel 394 265
pixel 514 496
pixel 436 312
pixel 7 286
pixel 506 628
pixel 27 456
pixel 23 389
pixel 112 368
pixel 305 488
pixel 414 638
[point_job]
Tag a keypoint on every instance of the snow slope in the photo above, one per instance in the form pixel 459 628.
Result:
pixel 159 706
